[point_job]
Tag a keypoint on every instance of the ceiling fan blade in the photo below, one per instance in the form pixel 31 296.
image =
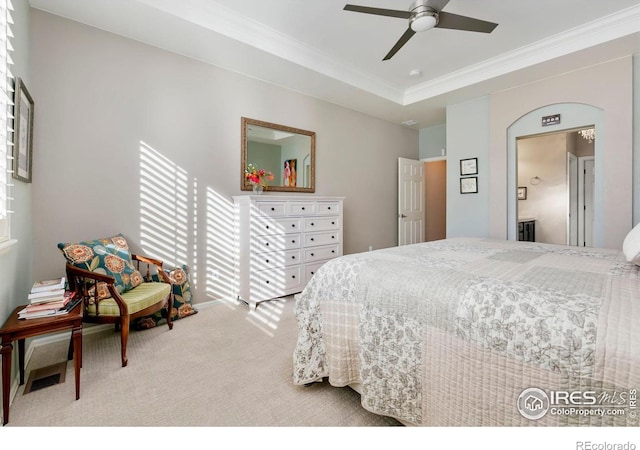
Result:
pixel 456 22
pixel 403 40
pixel 379 11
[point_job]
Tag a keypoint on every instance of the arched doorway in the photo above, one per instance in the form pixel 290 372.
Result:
pixel 572 116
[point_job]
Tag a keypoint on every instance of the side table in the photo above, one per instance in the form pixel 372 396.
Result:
pixel 16 329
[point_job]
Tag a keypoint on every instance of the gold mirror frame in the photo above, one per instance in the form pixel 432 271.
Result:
pixel 246 186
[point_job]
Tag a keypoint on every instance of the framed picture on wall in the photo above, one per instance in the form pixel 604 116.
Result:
pixel 522 193
pixel 469 166
pixel 23 133
pixel 469 185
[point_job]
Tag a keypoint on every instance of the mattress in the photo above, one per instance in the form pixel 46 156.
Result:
pixel 477 332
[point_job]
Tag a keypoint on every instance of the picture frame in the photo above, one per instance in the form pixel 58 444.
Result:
pixel 522 193
pixel 469 166
pixel 290 177
pixel 469 185
pixel 23 133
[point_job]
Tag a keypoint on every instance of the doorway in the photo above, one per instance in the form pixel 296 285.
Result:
pixel 422 200
pixel 556 179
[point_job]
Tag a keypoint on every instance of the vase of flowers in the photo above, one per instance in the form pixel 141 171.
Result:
pixel 257 177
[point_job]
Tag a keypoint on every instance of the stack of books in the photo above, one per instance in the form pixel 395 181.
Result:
pixel 49 298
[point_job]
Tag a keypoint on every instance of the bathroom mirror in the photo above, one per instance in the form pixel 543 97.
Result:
pixel 288 153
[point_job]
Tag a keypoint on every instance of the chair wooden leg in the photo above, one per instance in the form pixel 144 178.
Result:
pixel 124 337
pixel 169 306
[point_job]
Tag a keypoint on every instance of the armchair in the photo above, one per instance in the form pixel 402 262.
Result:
pixel 108 278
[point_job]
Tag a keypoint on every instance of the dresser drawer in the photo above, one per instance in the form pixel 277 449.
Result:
pixel 327 208
pixel 321 223
pixel 266 243
pixel 302 208
pixel 272 208
pixel 311 269
pixel 277 282
pixel 271 260
pixel 320 253
pixel 266 225
pixel 323 238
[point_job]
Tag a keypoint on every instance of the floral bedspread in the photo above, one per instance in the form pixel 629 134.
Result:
pixel 451 332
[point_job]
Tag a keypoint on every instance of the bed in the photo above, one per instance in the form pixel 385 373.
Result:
pixel 477 332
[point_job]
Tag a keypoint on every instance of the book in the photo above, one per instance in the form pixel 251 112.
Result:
pixel 52 312
pixel 52 304
pixel 46 296
pixel 48 285
pixel 24 314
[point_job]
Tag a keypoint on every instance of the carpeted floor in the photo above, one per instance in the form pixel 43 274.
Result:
pixel 223 367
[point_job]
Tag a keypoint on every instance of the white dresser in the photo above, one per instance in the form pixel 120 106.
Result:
pixel 282 241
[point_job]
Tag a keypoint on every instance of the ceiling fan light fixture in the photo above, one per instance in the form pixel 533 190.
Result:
pixel 424 21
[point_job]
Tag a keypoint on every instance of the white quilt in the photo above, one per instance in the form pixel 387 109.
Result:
pixel 452 332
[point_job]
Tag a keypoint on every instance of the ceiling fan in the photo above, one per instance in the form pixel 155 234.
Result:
pixel 424 15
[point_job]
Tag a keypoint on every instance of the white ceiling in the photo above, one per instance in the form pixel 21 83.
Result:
pixel 321 50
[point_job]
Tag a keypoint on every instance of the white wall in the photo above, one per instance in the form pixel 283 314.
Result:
pixel 636 139
pixel 433 141
pixel 133 139
pixel 468 137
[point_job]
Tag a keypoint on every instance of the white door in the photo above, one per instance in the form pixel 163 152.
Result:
pixel 572 199
pixel 410 201
pixel 588 176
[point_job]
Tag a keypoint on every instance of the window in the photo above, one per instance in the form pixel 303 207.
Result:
pixel 6 115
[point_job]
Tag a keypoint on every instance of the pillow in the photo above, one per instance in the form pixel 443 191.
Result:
pixel 182 300
pixel 108 256
pixel 631 245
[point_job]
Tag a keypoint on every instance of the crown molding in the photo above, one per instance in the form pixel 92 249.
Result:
pixel 222 20
pixel 215 17
pixel 603 30
pixel 210 15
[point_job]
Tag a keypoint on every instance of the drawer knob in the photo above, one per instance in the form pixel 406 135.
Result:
pixel 272 208
pixel 311 239
pixel 312 224
pixel 313 254
pixel 293 225
pixel 267 227
pixel 333 222
pixel 333 251
pixel 328 207
pixel 293 241
pixel 267 261
pixel 333 237
pixel 302 208
pixel 312 273
pixel 293 257
pixel 267 281
pixel 266 243
pixel 293 276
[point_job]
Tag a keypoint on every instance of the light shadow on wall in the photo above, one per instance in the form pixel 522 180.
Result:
pixel 220 246
pixel 169 223
pixel 164 204
pixel 170 230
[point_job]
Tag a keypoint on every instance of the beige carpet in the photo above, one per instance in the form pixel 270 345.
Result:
pixel 223 367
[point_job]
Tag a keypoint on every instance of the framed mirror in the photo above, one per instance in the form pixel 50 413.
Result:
pixel 288 153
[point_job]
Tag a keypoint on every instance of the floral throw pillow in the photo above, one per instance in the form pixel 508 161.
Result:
pixel 182 300
pixel 108 256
